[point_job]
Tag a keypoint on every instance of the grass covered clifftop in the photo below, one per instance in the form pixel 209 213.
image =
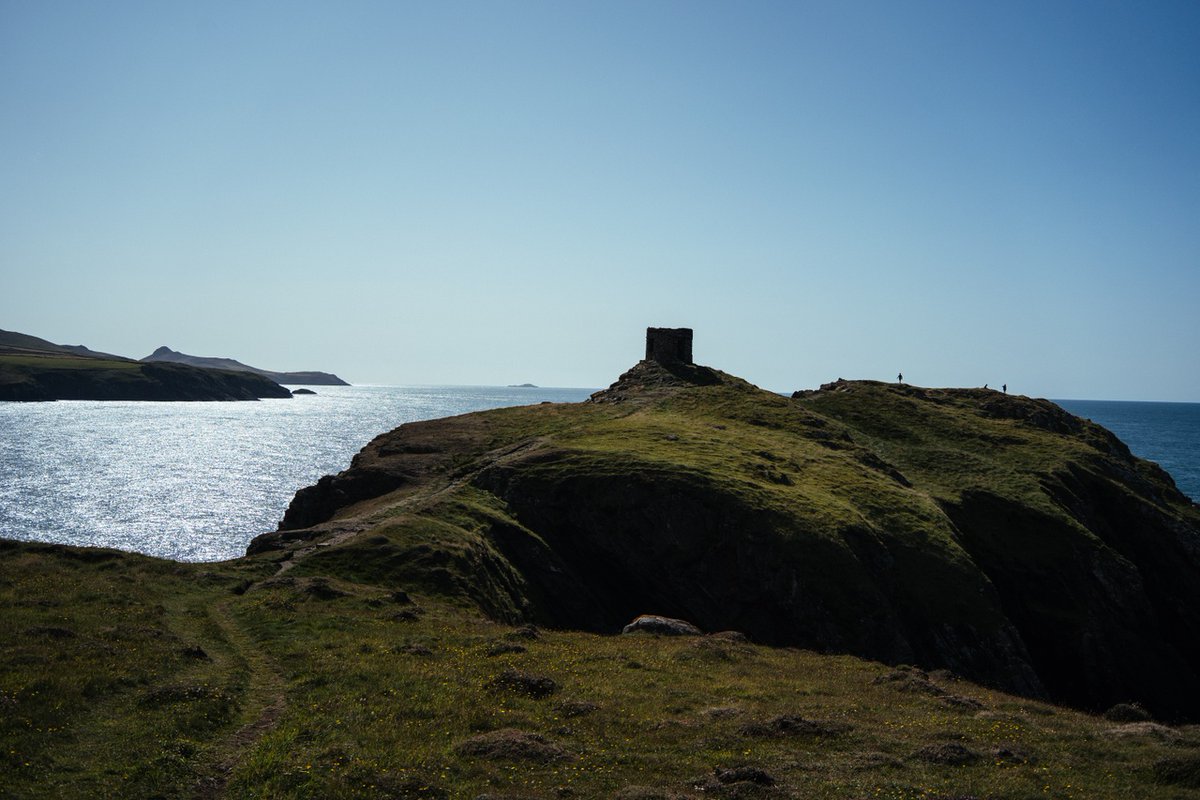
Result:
pixel 992 535
pixel 379 645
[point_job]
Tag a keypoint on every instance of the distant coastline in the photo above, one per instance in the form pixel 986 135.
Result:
pixel 302 378
pixel 35 369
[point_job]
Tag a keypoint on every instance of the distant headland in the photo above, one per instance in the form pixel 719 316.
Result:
pixel 33 369
pixel 309 377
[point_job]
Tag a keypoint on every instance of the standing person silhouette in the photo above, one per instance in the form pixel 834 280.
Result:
pixel 900 379
pixel 1004 386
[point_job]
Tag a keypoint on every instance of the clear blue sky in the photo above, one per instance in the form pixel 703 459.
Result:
pixel 500 192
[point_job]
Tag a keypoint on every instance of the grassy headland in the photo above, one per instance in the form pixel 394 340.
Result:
pixel 36 369
pixel 379 645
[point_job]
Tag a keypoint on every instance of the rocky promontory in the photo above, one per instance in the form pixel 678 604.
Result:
pixel 995 536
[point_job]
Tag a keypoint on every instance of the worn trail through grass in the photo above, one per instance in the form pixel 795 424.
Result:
pixel 264 700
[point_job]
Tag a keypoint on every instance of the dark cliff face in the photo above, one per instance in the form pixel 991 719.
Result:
pixel 993 535
pixel 677 545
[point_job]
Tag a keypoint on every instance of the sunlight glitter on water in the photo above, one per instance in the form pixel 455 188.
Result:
pixel 197 481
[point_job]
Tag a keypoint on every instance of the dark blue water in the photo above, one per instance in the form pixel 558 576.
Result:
pixel 1166 433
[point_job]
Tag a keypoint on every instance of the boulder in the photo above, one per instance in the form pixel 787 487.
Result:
pixel 663 626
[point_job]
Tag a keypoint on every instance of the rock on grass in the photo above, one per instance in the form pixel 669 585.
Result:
pixel 510 744
pixel 528 684
pixel 577 708
pixel 318 588
pixel 793 725
pixel 910 679
pixel 1127 712
pixel 503 648
pixel 750 774
pixel 1152 730
pixel 948 753
pixel 526 632
pixel 740 782
pixel 662 626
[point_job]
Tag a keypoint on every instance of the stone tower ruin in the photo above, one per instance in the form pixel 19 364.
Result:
pixel 669 345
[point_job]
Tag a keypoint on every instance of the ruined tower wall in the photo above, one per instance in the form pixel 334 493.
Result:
pixel 669 345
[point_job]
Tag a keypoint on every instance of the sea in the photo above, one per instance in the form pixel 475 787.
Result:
pixel 1166 433
pixel 198 481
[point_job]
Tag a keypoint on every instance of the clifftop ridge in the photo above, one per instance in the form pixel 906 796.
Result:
pixel 994 535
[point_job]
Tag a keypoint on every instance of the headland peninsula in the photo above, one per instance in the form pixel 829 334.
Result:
pixel 33 369
pixel 896 592
pixel 309 377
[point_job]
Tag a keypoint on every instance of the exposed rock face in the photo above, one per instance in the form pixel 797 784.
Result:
pixel 652 378
pixel 995 536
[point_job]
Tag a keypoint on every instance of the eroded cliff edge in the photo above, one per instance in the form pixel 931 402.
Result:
pixel 993 535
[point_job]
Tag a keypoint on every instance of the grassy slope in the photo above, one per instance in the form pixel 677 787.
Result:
pixel 316 688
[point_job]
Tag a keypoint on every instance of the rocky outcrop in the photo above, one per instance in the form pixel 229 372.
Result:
pixel 662 626
pixel 995 536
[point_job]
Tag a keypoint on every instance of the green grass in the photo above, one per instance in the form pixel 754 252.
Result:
pixel 358 699
pixel 65 362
